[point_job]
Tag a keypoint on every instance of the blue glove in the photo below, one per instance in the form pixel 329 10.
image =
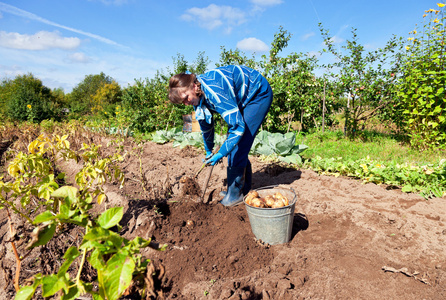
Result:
pixel 214 159
pixel 208 154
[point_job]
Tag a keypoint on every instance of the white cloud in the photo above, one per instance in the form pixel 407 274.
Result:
pixel 261 5
pixel 42 40
pixel 253 45
pixel 266 2
pixel 307 36
pixel 55 70
pixel 10 71
pixel 337 40
pixel 215 16
pixel 22 13
pixel 79 57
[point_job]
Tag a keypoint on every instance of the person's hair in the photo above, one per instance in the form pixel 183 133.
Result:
pixel 179 81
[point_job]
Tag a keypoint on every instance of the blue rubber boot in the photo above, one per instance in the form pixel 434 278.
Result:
pixel 248 181
pixel 236 181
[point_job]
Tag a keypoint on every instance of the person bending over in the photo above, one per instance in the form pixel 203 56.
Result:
pixel 243 97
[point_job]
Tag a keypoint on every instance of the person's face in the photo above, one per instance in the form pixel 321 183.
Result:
pixel 189 95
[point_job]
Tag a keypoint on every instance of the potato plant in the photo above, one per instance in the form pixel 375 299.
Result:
pixel 36 187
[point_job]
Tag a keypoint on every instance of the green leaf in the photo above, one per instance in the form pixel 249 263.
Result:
pixel 70 255
pixel 73 293
pixel 264 149
pixel 68 192
pixel 96 259
pixel 138 243
pixel 291 159
pixel 41 235
pixel 25 293
pixel 51 284
pixel 299 148
pixel 437 110
pixel 285 145
pixel 111 217
pixel 102 234
pixel 44 217
pixel 407 188
pixel 117 276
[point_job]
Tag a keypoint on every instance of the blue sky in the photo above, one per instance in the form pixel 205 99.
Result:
pixel 62 41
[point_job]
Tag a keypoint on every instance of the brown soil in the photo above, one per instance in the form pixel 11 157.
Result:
pixel 350 240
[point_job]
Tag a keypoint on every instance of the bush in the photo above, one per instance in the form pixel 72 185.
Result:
pixel 27 99
pixel 422 87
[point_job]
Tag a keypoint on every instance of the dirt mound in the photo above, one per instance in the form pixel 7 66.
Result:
pixel 350 240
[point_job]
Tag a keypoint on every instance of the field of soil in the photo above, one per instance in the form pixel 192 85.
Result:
pixel 350 240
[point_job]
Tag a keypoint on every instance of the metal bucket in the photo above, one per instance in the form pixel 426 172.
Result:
pixel 187 123
pixel 190 124
pixel 273 225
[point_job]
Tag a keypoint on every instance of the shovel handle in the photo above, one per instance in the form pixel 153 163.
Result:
pixel 201 169
pixel 204 165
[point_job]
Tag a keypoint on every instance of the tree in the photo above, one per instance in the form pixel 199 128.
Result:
pixel 200 65
pixel 81 97
pixel 298 93
pixel 363 78
pixel 26 98
pixel 235 57
pixel 181 65
pixel 107 94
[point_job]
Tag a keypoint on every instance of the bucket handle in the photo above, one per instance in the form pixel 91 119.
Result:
pixel 274 186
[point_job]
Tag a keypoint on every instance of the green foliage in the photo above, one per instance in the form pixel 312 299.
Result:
pixel 146 104
pixel 235 57
pixel 298 93
pixel 181 65
pixel 182 139
pixel 381 159
pixel 116 259
pixel 363 77
pixel 147 107
pixel 281 146
pixel 81 98
pixel 26 99
pixel 422 85
pixel 201 63
pixel 428 180
pixel 107 94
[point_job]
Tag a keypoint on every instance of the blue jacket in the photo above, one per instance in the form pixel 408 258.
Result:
pixel 227 90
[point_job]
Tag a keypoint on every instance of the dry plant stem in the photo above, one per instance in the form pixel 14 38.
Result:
pixel 78 277
pixel 10 203
pixel 17 257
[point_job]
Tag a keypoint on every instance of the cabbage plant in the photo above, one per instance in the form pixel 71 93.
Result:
pixel 277 144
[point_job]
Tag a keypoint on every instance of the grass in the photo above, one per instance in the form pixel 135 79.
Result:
pixel 380 147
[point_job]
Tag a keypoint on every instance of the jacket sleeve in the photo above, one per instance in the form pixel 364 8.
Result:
pixel 236 126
